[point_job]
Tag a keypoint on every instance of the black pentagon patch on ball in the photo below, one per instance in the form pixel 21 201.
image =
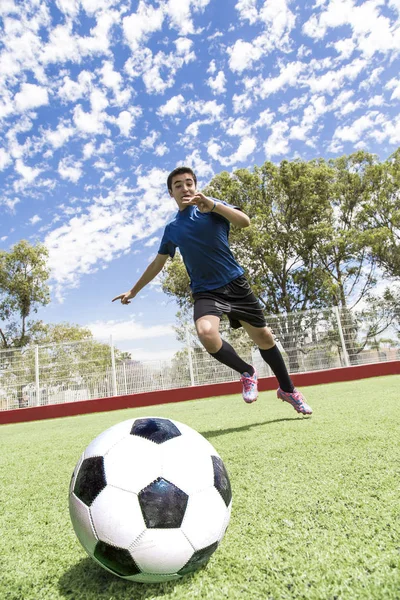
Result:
pixel 91 479
pixel 163 504
pixel 198 560
pixel 118 560
pixel 221 480
pixel 155 429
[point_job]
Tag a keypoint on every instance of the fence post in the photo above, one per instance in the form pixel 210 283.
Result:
pixel 37 382
pixel 189 349
pixel 113 371
pixel 126 386
pixel 339 323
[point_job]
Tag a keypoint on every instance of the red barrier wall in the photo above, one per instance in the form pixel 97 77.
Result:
pixel 81 407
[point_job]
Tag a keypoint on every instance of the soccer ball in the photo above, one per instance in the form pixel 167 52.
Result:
pixel 150 499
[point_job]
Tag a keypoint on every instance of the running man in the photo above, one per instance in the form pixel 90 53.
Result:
pixel 200 230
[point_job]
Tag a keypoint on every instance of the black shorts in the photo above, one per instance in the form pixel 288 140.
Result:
pixel 235 299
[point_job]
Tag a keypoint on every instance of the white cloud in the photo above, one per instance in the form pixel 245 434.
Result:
pixel 353 132
pixel 35 219
pixel 59 136
pixel 27 173
pixel 128 330
pixel 172 107
pixel 161 149
pixel 372 31
pixel 140 25
pixel 277 143
pixel 376 101
pixel 69 169
pixel 288 76
pixel 394 84
pixel 241 103
pixel 5 159
pixel 242 55
pixel 71 91
pixel 333 80
pixel 202 168
pixel 212 67
pixel 183 45
pixel 240 127
pixel 125 122
pixel 218 83
pixel 88 150
pixel 89 123
pixel 113 80
pixel 149 141
pixel 151 242
pixel 180 14
pixel 31 96
pixel 278 21
pixel 247 10
pixel 246 147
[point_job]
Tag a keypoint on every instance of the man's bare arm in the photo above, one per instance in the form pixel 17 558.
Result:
pixel 150 273
pixel 233 215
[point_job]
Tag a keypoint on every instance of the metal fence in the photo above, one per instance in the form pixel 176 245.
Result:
pixel 309 341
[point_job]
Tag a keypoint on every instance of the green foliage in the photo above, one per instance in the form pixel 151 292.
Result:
pixel 23 289
pixel 315 501
pixel 380 218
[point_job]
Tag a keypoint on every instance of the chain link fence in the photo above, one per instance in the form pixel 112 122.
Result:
pixel 309 341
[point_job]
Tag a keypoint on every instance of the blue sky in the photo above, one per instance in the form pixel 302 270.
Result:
pixel 100 100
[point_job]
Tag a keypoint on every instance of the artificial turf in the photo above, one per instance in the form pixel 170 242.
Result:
pixel 316 509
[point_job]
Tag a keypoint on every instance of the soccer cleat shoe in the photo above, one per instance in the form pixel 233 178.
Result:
pixel 250 389
pixel 296 399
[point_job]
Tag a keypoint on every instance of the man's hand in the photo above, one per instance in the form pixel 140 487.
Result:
pixel 125 298
pixel 203 203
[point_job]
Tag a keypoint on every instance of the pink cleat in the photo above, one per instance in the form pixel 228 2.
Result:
pixel 250 390
pixel 296 399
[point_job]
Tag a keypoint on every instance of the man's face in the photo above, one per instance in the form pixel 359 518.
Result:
pixel 183 188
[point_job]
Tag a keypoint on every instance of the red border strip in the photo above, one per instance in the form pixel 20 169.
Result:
pixel 68 409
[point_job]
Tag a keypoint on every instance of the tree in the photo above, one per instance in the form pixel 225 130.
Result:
pixel 340 245
pixel 380 218
pixel 23 289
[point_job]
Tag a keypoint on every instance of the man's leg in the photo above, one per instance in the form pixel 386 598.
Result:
pixel 270 352
pixel 207 328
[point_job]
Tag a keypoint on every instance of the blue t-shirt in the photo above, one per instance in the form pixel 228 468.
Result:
pixel 202 239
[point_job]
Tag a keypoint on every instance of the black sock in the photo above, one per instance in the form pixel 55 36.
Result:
pixel 274 359
pixel 228 356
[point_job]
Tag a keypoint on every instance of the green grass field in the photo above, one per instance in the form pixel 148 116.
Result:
pixel 316 501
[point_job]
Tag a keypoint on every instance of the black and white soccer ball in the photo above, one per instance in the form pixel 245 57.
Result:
pixel 150 499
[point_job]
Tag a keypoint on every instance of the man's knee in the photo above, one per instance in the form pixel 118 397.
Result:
pixel 208 336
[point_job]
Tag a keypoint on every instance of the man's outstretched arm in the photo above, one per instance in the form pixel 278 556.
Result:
pixel 150 273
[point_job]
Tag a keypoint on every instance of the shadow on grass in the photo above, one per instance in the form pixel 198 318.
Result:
pixel 87 581
pixel 218 432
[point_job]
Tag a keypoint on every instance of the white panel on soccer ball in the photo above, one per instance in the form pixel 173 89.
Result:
pixel 117 517
pixel 106 440
pixel 161 551
pixel 132 464
pixel 226 521
pixel 196 439
pixel 82 523
pixel 75 473
pixel 205 518
pixel 187 466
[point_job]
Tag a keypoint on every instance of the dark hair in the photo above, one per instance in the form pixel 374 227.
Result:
pixel 180 171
